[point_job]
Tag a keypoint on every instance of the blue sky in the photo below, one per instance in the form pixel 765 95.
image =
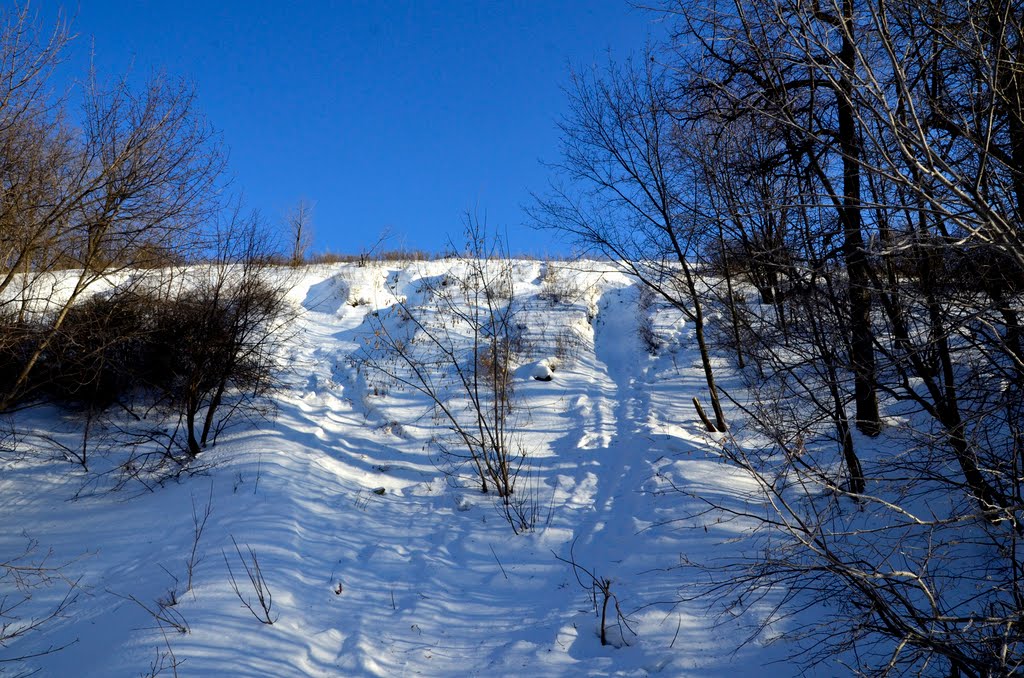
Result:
pixel 397 115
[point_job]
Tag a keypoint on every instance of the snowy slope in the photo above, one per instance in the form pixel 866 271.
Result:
pixel 379 564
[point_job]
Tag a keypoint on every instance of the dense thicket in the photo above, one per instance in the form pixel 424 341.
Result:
pixel 854 172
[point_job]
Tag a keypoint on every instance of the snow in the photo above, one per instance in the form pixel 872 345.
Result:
pixel 379 563
pixel 540 371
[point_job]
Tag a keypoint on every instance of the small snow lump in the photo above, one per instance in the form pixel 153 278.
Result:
pixel 541 372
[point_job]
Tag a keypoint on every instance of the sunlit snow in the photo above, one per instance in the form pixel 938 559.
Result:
pixel 379 563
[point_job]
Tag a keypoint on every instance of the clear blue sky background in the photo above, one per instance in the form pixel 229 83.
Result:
pixel 385 114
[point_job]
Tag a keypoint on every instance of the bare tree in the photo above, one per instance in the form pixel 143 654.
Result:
pixel 794 66
pixel 300 225
pixel 799 348
pixel 634 201
pixel 138 180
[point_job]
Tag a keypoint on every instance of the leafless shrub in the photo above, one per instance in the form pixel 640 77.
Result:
pixel 21 577
pixel 95 356
pixel 493 365
pixel 201 353
pixel 649 338
pixel 163 612
pixel 645 314
pixel 522 509
pixel 165 660
pixel 371 256
pixel 376 253
pixel 263 606
pixel 226 349
pixel 557 286
pixel 218 340
pixel 601 595
pixel 458 350
pixel 568 344
pixel 400 255
pixel 198 526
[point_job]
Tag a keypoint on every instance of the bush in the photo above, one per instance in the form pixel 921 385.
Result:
pixel 17 339
pixel 185 353
pixel 646 309
pixel 558 287
pixel 213 341
pixel 98 355
pixel 568 343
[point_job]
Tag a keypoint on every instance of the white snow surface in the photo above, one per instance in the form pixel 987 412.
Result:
pixel 378 563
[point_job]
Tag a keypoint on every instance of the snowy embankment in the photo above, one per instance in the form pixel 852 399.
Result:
pixel 378 562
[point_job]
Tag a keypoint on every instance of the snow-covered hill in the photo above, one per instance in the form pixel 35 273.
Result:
pixel 379 561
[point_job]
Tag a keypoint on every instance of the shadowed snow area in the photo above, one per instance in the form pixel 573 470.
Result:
pixel 378 562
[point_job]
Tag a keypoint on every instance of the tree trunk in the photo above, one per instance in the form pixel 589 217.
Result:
pixel 862 356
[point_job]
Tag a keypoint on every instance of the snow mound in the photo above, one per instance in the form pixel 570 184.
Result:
pixel 540 370
pixel 327 296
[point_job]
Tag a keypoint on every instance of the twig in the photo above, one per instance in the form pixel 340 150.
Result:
pixel 497 561
pixel 198 525
pixel 164 614
pixel 259 470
